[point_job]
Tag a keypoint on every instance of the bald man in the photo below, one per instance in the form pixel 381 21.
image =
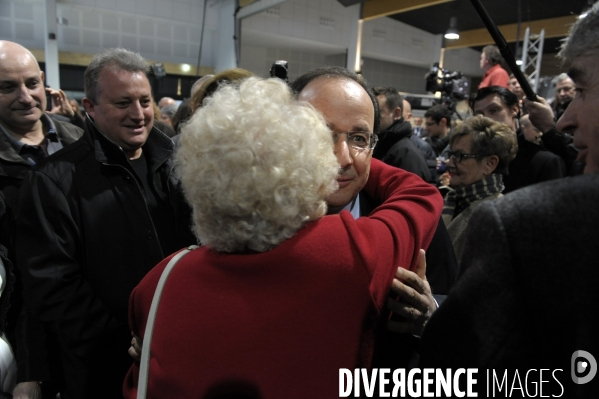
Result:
pixel 27 136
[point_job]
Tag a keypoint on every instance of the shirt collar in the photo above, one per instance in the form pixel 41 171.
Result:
pixel 353 207
pixel 49 127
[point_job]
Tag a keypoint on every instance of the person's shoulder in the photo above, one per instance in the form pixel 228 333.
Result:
pixel 65 160
pixel 572 195
pixel 66 130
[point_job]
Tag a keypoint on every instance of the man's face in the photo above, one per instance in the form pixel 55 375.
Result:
pixel 581 118
pixel 493 107
pixel 417 121
pixel 484 61
pixel 345 106
pixel 515 87
pixel 433 128
pixel 124 111
pixel 531 133
pixel 387 116
pixel 565 90
pixel 22 93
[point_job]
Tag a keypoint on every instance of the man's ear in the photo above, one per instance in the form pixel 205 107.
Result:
pixel 89 106
pixel 443 122
pixel 515 111
pixel 397 113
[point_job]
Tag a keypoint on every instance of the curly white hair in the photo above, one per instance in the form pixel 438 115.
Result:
pixel 255 166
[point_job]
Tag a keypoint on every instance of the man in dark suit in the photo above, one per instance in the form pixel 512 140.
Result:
pixel 331 91
pixel 527 287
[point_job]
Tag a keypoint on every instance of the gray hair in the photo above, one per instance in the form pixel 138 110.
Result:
pixel 255 166
pixel 117 58
pixel 169 110
pixel 561 77
pixel 584 36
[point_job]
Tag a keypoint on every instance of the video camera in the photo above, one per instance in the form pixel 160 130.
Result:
pixel 450 84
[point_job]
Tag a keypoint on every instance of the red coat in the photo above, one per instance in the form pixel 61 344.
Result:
pixel 285 320
pixel 496 76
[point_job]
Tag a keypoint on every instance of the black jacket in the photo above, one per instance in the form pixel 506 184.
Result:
pixel 85 239
pixel 533 164
pixel 393 350
pixel 12 171
pixel 395 148
pixel 439 145
pixel 430 157
pixel 13 167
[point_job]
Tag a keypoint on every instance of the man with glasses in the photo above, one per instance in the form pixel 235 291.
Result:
pixel 351 111
pixel 437 122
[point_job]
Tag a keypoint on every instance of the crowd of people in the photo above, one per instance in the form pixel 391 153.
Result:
pixel 259 236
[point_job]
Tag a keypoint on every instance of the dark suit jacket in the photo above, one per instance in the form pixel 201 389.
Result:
pixel 396 148
pixel 527 290
pixel 533 164
pixel 394 350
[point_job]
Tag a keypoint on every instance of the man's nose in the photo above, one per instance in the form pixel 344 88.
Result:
pixel 450 162
pixel 25 96
pixel 136 111
pixel 343 153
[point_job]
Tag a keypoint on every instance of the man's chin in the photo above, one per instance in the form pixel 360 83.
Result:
pixel 340 199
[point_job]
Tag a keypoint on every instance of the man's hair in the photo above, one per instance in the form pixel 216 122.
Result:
pixel 506 96
pixel 438 112
pixel 117 58
pixel 489 138
pixel 169 110
pixel 492 53
pixel 561 77
pixel 583 38
pixel 255 165
pixel 210 86
pixel 392 96
pixel 340 73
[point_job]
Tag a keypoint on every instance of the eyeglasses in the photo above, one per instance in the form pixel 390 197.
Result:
pixel 358 140
pixel 459 156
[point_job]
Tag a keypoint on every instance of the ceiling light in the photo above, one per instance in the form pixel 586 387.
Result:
pixel 452 32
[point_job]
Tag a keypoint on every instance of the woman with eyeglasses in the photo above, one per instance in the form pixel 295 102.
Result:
pixel 481 150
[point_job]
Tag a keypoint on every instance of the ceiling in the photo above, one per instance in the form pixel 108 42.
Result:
pixel 435 18
pixel 555 16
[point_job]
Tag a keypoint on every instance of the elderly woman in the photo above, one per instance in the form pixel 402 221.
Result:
pixel 280 296
pixel 481 150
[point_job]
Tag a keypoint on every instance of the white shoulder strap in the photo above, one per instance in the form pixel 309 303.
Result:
pixel 144 368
